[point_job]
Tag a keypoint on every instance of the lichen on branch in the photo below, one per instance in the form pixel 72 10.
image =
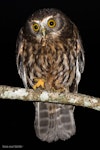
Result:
pixel 77 99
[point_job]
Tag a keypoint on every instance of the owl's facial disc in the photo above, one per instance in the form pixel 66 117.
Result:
pixel 44 26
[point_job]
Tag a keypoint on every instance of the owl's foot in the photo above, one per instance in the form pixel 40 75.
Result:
pixel 39 82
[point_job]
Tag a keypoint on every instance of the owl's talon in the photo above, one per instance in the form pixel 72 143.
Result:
pixel 40 82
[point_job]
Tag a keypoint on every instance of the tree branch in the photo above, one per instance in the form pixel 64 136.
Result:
pixel 16 93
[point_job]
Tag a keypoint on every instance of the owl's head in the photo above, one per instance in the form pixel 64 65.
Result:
pixel 48 23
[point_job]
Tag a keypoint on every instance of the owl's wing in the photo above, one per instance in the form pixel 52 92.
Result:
pixel 80 61
pixel 20 58
pixel 80 58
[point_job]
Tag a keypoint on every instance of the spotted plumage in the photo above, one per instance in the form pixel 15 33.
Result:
pixel 49 49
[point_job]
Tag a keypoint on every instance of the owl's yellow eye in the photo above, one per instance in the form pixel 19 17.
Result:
pixel 51 23
pixel 36 27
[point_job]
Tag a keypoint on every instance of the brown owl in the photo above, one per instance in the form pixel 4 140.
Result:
pixel 50 56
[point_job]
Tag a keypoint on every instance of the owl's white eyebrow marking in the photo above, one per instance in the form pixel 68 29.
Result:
pixel 44 20
pixel 37 21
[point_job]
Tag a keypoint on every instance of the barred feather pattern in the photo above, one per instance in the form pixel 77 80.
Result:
pixel 54 121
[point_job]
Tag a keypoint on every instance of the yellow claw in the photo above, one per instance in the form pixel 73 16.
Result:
pixel 40 82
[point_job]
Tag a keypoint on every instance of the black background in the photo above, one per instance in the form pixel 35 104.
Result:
pixel 17 117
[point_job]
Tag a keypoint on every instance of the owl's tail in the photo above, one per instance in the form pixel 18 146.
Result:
pixel 54 121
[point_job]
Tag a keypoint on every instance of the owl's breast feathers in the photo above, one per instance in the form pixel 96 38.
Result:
pixel 54 61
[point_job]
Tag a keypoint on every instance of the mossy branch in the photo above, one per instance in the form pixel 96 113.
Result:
pixel 77 99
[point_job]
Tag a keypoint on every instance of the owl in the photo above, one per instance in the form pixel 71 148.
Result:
pixel 50 56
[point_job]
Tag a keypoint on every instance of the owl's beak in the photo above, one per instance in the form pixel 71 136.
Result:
pixel 43 32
